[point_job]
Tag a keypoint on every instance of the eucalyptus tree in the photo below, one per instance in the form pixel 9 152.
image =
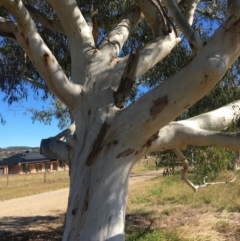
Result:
pixel 106 137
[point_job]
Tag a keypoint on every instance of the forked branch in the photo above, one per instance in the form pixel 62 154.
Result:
pixel 43 59
pixel 185 164
pixel 120 33
pixel 194 40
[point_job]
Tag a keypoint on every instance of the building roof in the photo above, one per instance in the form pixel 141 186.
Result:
pixel 24 158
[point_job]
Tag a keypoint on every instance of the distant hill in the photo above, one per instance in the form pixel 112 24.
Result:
pixel 18 148
pixel 12 150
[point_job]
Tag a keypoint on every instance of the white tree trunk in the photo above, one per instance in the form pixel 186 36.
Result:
pixel 107 138
pixel 97 200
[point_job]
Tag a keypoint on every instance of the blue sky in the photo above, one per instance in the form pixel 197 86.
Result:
pixel 19 130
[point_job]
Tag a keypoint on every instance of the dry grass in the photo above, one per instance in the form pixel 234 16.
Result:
pixel 210 214
pixel 163 209
pixel 23 185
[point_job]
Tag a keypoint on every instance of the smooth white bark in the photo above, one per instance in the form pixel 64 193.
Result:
pixel 202 130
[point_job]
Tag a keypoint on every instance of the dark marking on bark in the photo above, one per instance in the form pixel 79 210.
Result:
pixel 89 112
pixel 86 202
pixel 159 104
pixel 127 80
pixel 115 142
pixel 186 106
pixel 94 84
pixel 229 18
pixel 136 152
pixel 74 211
pixel 75 137
pixel 151 139
pixel 98 144
pixel 205 43
pixel 125 153
pixel 45 58
pixel 27 41
pixel 192 46
pixel 109 223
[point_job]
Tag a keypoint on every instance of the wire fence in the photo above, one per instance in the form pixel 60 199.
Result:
pixel 18 180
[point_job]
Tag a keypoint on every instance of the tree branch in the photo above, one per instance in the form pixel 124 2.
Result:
pixel 154 17
pixel 117 37
pixel 40 55
pixel 185 164
pixel 48 23
pixel 35 83
pixel 7 29
pixel 168 100
pixel 194 40
pixel 74 24
pixel 156 51
pixel 79 36
pixel 190 10
pixel 54 148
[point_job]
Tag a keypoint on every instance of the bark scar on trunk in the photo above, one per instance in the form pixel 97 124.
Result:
pixel 127 80
pixel 125 153
pixel 98 144
pixel 159 104
pixel 151 139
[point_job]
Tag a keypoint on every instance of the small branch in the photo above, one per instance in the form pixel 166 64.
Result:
pixel 66 133
pixel 74 24
pixel 7 29
pixel 120 33
pixel 151 14
pixel 91 20
pixel 156 51
pixel 48 23
pixel 35 83
pixel 190 10
pixel 194 40
pixel 185 164
pixel 164 21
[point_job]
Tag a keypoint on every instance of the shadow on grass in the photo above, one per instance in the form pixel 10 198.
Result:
pixel 139 224
pixel 50 228
pixel 39 228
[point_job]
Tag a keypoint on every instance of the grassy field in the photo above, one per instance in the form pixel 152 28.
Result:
pixel 13 186
pixel 162 209
pixel 167 209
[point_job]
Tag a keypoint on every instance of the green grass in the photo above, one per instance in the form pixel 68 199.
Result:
pixel 171 190
pixel 155 235
pixel 166 208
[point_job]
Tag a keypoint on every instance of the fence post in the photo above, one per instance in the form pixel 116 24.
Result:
pixel 45 175
pixel 7 180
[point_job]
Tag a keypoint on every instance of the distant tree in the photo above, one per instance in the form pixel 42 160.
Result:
pixel 93 68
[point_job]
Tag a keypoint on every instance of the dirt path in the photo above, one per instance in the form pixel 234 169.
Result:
pixel 51 203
